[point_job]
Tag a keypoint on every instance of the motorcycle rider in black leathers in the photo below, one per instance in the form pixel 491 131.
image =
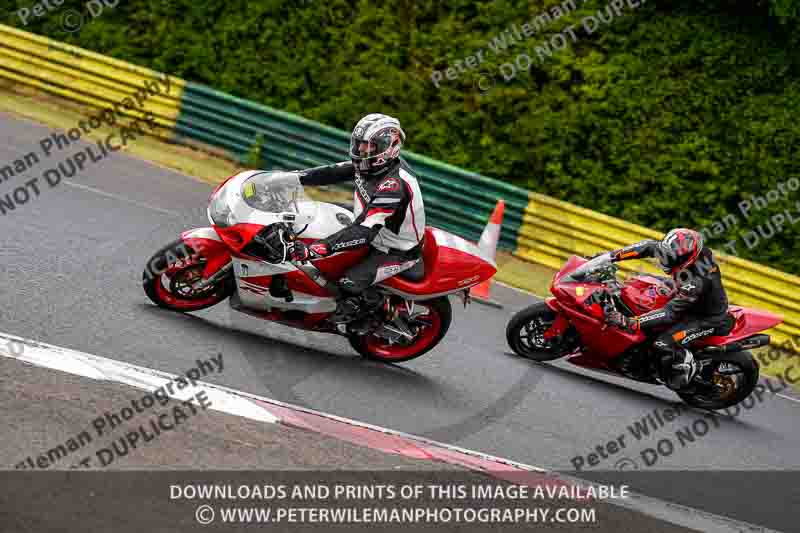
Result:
pixel 699 308
pixel 390 215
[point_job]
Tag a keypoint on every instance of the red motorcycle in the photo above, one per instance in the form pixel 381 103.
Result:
pixel 234 259
pixel 572 323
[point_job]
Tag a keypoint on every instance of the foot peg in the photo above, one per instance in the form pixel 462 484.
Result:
pixel 346 311
pixel 683 372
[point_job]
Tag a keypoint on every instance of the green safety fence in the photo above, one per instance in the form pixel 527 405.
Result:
pixel 455 200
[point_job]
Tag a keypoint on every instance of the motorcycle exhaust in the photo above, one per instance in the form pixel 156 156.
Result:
pixel 754 341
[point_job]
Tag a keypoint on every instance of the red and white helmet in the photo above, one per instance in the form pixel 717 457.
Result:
pixel 679 249
pixel 375 143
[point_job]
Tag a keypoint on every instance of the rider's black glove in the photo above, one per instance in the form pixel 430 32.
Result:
pixel 618 320
pixel 300 251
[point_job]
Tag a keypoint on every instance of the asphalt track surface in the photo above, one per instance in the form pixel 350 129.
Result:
pixel 232 450
pixel 72 262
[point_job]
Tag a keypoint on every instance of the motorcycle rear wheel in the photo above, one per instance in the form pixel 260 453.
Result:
pixel 728 390
pixel 431 328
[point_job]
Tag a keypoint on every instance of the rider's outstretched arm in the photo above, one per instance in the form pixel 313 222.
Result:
pixel 640 250
pixel 328 174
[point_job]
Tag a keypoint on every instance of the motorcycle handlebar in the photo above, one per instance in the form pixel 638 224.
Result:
pixel 266 239
pixel 608 303
pixel 608 307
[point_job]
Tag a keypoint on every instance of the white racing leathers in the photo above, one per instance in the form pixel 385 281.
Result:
pixel 390 217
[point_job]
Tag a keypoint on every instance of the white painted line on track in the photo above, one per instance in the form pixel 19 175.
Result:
pixel 788 398
pixel 239 403
pixel 119 198
pixel 103 369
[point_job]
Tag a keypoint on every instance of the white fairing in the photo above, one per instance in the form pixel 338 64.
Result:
pixel 201 233
pixel 255 296
pixel 329 219
pixel 310 219
pixel 446 239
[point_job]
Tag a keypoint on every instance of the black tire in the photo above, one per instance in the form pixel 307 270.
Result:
pixel 749 367
pixel 517 326
pixel 159 262
pixel 441 306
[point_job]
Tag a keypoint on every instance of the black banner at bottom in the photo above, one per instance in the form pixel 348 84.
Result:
pixel 357 500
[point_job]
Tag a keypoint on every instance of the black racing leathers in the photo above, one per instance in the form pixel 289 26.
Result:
pixel 700 294
pixel 699 309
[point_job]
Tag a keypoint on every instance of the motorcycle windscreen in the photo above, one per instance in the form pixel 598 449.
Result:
pixel 280 194
pixel 261 198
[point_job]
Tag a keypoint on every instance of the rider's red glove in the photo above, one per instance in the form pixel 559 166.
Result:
pixel 300 251
pixel 618 320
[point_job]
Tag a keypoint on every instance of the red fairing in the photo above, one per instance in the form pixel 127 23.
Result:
pixel 756 320
pixel 447 269
pixel 748 322
pixel 239 235
pixel 601 344
pixel 333 267
pixel 645 293
pixel 216 253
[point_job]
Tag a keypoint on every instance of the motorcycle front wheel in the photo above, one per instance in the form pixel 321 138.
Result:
pixel 171 274
pixel 525 334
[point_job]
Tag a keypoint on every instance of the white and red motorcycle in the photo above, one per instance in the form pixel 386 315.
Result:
pixel 231 259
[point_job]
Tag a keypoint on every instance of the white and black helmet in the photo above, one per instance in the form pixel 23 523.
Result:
pixel 375 143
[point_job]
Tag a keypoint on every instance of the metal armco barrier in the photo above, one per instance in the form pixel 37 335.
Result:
pixel 84 77
pixel 462 200
pixel 536 227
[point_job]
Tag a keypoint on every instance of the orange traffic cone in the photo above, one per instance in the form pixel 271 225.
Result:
pixel 488 245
